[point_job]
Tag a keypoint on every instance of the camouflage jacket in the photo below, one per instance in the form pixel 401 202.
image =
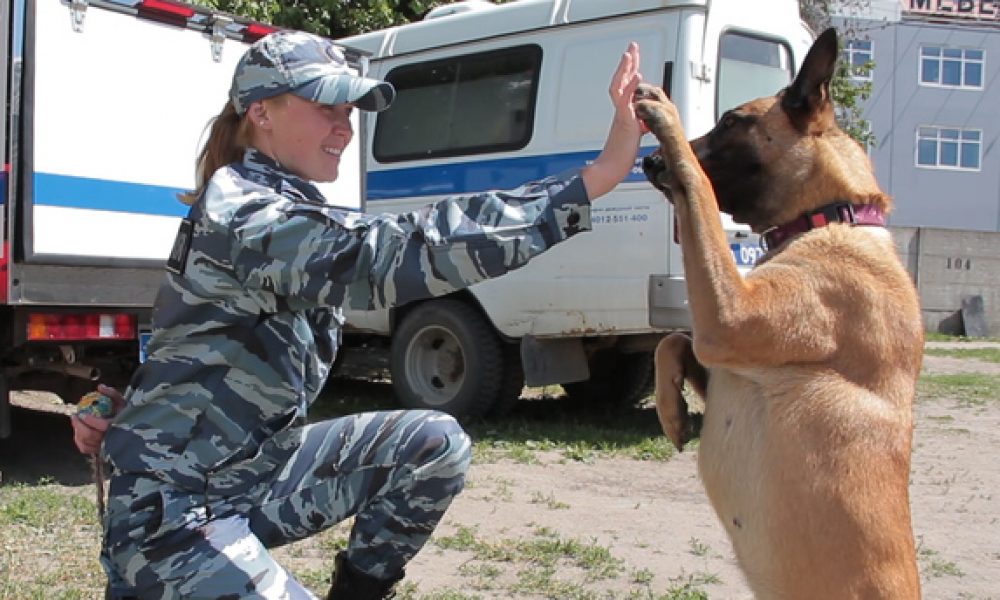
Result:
pixel 247 324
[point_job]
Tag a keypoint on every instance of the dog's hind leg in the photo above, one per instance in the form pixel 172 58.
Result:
pixel 675 362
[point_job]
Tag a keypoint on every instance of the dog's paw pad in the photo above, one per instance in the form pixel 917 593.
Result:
pixel 645 91
pixel 649 111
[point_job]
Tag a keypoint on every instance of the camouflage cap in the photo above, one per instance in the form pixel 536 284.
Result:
pixel 308 66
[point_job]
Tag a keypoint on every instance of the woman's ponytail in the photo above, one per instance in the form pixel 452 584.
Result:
pixel 228 139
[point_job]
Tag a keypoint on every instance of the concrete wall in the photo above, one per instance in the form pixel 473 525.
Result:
pixel 947 266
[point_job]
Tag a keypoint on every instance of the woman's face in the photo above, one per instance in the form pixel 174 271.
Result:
pixel 302 136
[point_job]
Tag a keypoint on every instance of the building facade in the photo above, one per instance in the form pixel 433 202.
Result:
pixel 934 107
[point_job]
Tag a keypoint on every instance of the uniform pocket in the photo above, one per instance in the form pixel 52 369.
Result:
pixel 134 512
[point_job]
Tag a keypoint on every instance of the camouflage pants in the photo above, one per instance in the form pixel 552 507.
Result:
pixel 396 472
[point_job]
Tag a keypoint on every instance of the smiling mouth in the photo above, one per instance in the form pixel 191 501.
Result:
pixel 333 151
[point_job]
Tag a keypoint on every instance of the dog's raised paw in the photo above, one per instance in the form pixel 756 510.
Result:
pixel 646 91
pixel 649 104
pixel 651 112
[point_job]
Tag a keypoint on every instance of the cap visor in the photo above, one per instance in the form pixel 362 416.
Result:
pixel 377 98
pixel 367 94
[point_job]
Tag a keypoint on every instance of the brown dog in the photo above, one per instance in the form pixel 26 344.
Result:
pixel 808 366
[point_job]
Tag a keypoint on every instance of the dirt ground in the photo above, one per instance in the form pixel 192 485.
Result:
pixel 655 517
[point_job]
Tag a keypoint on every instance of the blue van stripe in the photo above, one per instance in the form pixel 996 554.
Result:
pixel 476 176
pixel 3 188
pixel 103 194
pixel 444 179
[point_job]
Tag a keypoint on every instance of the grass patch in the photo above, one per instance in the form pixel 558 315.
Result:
pixel 934 566
pixel 546 564
pixel 37 507
pixel 49 544
pixel 968 389
pixel 576 433
pixel 933 336
pixel 408 591
pixel 544 548
pixel 984 354
pixel 549 423
pixel 548 500
pixel 697 547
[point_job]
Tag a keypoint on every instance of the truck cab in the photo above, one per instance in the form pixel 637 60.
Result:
pixel 106 106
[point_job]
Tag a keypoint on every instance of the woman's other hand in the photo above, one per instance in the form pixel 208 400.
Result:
pixel 89 429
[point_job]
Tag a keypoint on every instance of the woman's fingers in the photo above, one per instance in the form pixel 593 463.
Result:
pixel 88 432
pixel 116 397
pixel 626 78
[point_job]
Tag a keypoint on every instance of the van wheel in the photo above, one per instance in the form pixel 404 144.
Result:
pixel 5 420
pixel 511 383
pixel 445 356
pixel 615 378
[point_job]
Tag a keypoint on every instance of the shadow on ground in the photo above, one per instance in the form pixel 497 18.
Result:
pixel 41 449
pixel 557 418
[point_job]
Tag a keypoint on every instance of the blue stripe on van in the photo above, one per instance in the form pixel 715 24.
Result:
pixel 3 187
pixel 476 176
pixel 458 178
pixel 103 194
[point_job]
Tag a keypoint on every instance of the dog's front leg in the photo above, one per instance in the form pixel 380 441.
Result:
pixel 675 362
pixel 715 286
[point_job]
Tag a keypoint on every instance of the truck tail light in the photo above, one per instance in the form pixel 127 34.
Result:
pixel 3 272
pixel 255 31
pixel 165 12
pixel 81 327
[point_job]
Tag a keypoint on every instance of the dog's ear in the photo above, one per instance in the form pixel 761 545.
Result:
pixel 811 89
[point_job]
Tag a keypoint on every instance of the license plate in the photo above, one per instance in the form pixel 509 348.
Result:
pixel 746 255
pixel 144 337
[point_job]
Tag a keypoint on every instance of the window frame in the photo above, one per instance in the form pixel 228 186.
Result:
pixel 788 56
pixel 848 53
pixel 938 139
pixel 530 51
pixel 940 58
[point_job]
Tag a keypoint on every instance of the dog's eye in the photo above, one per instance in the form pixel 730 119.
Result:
pixel 728 121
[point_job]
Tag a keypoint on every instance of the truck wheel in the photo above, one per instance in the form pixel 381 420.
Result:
pixel 615 378
pixel 446 356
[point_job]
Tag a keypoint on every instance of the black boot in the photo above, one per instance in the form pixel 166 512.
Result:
pixel 351 584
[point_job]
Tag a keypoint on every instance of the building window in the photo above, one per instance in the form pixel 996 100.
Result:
pixel 949 148
pixel 470 104
pixel 857 54
pixel 951 67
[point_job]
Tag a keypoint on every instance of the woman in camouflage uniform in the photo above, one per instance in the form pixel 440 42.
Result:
pixel 211 462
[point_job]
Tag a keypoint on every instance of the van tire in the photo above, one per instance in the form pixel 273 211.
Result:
pixel 511 383
pixel 616 379
pixel 6 427
pixel 446 356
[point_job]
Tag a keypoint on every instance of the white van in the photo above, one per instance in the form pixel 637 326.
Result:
pixel 493 95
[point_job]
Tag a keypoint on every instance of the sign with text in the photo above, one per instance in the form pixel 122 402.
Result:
pixel 984 10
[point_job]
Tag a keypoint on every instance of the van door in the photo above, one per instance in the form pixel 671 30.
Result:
pixel 748 51
pixel 748 54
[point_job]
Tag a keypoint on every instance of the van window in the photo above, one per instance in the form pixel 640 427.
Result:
pixel 750 67
pixel 470 104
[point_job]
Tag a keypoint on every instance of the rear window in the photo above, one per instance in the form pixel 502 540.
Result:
pixel 750 67
pixel 470 104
